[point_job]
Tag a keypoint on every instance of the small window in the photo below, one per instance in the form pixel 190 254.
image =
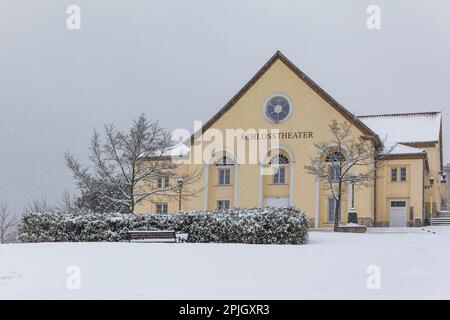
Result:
pixel 161 207
pixel 403 174
pixel 223 204
pixel 277 108
pixel 279 176
pixel 398 204
pixel 331 207
pixel 224 177
pixel 163 182
pixel 394 175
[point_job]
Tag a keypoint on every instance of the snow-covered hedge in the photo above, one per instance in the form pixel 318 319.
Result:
pixel 260 225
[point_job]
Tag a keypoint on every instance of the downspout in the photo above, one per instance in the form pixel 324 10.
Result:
pixel 375 194
pixel 423 191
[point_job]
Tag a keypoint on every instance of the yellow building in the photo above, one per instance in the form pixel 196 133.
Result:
pixel 277 117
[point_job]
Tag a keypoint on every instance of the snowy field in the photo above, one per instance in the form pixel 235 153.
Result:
pixel 414 264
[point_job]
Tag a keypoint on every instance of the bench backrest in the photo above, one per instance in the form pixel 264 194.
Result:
pixel 151 234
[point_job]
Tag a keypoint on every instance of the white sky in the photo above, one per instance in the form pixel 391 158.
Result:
pixel 180 61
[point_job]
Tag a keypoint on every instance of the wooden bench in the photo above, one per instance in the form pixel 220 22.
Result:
pixel 151 236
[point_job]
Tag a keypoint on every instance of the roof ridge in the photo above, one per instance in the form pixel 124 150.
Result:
pixel 406 114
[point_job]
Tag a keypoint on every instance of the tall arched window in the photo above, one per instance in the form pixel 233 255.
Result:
pixel 334 160
pixel 279 160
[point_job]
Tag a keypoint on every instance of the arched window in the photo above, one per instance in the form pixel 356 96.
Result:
pixel 334 160
pixel 224 161
pixel 279 160
pixel 335 156
pixel 224 172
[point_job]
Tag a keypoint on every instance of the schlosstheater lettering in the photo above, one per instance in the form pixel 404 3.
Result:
pixel 278 135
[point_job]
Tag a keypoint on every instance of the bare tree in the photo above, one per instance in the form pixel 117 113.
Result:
pixel 8 223
pixel 126 165
pixel 345 160
pixel 39 205
pixel 68 203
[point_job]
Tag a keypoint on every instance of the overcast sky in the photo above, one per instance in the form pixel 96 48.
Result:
pixel 180 61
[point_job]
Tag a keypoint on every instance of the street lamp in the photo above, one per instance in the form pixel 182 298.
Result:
pixel 352 214
pixel 431 196
pixel 352 181
pixel 180 183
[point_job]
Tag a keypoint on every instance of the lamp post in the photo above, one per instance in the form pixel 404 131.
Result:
pixel 180 182
pixel 352 214
pixel 431 196
pixel 353 193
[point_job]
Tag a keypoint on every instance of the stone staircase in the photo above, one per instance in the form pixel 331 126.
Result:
pixel 443 219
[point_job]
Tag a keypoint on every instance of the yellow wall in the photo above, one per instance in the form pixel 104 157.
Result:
pixel 434 158
pixel 411 191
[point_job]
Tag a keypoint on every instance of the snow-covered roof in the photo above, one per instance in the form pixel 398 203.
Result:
pixel 405 127
pixel 396 148
pixel 178 150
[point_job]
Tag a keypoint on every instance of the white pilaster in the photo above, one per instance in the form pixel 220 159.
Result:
pixel 350 196
pixel 206 170
pixel 236 181
pixel 291 184
pixel 260 185
pixel 317 204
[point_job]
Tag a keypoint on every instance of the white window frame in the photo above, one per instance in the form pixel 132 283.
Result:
pixel 163 182
pixel 226 177
pixel 279 177
pixel 392 174
pixel 405 170
pixel 164 206
pixel 272 96
pixel 223 200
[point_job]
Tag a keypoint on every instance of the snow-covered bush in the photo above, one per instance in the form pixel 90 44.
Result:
pixel 260 225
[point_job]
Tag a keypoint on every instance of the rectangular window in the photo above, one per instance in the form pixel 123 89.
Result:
pixel 224 176
pixel 279 176
pixel 394 175
pixel 331 207
pixel 223 204
pixel 403 174
pixel 398 204
pixel 163 182
pixel 161 207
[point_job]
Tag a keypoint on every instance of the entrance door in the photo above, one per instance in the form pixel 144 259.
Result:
pixel 277 202
pixel 397 217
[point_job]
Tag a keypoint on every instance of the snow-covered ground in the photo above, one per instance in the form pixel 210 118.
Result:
pixel 412 264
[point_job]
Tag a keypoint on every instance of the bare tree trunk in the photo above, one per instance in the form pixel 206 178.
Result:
pixel 337 208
